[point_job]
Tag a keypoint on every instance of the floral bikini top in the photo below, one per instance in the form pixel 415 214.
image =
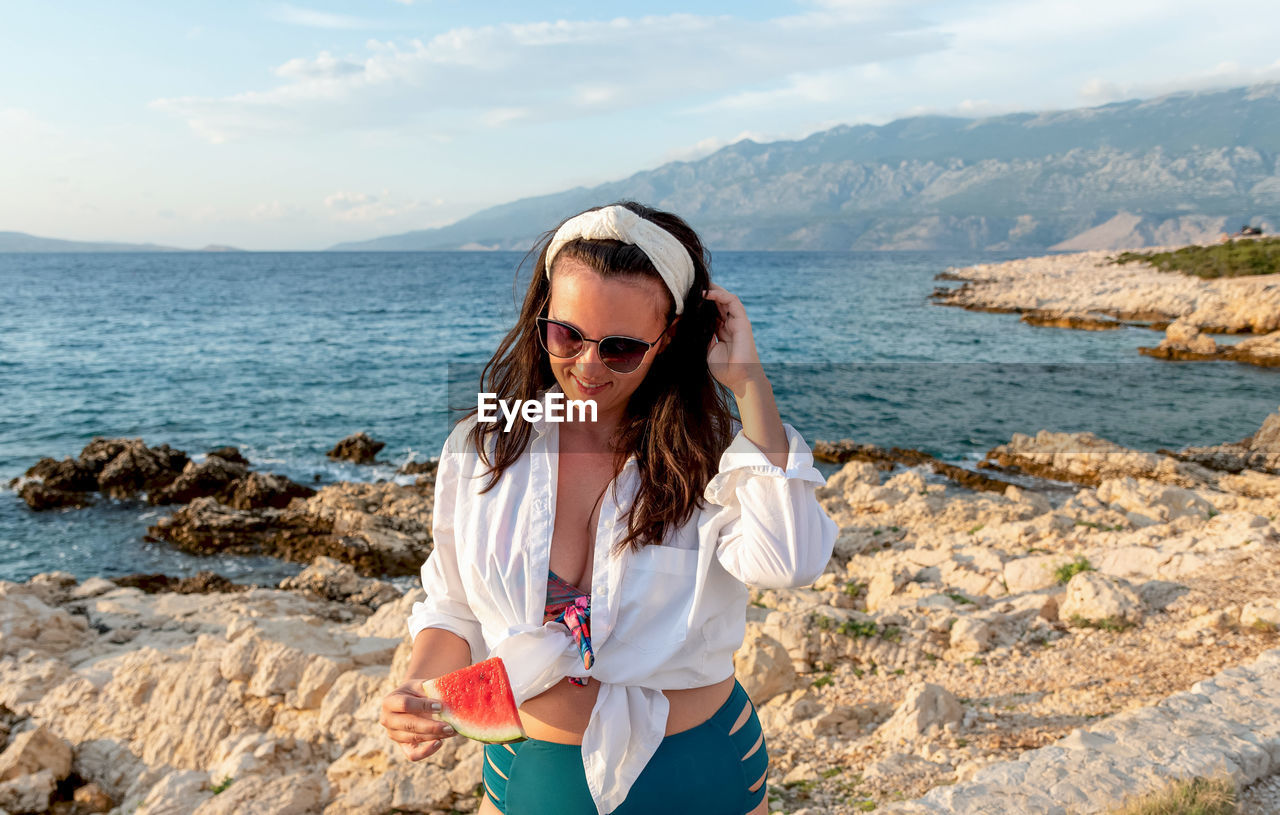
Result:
pixel 568 604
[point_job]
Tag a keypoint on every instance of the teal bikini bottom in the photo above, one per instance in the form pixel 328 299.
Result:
pixel 711 769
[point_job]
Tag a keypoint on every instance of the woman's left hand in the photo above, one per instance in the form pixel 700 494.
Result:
pixel 731 353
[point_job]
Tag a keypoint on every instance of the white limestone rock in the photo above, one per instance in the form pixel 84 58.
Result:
pixel 333 580
pixel 903 769
pixel 1095 597
pixel 52 588
pixel 1037 501
pixel 926 707
pixel 30 623
pixel 317 678
pixel 884 584
pixel 1147 502
pixel 1184 335
pixel 27 793
pixel 1206 625
pixel 763 666
pixel 971 635
pixel 35 750
pixel 1032 572
pixel 1261 613
pixel 92 588
pixel 849 476
pixel 296 794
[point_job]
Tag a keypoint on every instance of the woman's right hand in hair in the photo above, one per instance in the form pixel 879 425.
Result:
pixel 409 717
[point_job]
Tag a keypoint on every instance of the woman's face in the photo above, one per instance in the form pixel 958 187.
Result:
pixel 597 308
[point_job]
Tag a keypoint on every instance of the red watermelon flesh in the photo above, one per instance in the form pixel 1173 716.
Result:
pixel 478 702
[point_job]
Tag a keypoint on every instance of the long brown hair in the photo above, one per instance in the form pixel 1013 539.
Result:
pixel 677 422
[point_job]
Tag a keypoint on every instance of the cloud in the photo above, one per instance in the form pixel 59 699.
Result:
pixel 1223 75
pixel 322 66
pixel 265 211
pixel 362 207
pixel 310 18
pixel 19 126
pixel 1097 91
pixel 347 201
pixel 498 117
pixel 1009 55
pixel 492 76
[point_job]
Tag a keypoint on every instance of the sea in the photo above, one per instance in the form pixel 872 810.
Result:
pixel 284 354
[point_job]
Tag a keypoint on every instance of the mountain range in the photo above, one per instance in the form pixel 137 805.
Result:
pixel 1175 169
pixel 22 242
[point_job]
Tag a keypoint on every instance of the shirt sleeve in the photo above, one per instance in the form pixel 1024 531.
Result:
pixel 446 605
pixel 776 534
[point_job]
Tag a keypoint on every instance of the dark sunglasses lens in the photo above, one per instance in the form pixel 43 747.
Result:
pixel 622 355
pixel 560 340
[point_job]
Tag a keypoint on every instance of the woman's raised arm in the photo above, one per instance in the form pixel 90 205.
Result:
pixel 773 532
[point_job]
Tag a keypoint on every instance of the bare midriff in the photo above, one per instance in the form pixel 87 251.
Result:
pixel 561 712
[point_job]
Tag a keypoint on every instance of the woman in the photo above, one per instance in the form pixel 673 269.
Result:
pixel 616 611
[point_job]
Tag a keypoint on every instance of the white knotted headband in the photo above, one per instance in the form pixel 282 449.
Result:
pixel 618 223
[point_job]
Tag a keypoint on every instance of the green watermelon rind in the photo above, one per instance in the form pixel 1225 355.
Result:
pixel 492 735
pixel 495 736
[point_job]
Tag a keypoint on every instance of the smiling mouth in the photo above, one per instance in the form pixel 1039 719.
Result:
pixel 587 386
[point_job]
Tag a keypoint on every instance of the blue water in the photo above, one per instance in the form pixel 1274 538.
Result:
pixel 283 354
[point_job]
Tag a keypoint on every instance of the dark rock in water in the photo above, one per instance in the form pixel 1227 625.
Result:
pixel 358 448
pixel 839 452
pixel 229 453
pixel 419 468
pixel 117 467
pixel 207 527
pixel 261 490
pixel 68 474
pixel 201 583
pixel 137 468
pixel 210 477
pixel 41 497
pixel 98 453
pixel 377 529
pixel 123 467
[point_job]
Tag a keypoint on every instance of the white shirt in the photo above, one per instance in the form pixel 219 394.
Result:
pixel 667 617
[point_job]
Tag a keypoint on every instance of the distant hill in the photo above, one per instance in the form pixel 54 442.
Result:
pixel 1179 168
pixel 22 242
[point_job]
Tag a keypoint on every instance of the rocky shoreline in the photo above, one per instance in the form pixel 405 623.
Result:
pixel 224 507
pixel 1085 290
pixel 957 626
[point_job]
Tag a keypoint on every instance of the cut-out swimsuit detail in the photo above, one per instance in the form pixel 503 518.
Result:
pixel 723 762
pixel 719 767
pixel 568 604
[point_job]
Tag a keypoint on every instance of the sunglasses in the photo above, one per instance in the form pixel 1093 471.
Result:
pixel 622 355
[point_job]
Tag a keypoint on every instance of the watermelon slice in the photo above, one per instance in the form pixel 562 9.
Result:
pixel 478 702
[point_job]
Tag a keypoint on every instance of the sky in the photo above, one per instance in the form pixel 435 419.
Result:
pixel 294 126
